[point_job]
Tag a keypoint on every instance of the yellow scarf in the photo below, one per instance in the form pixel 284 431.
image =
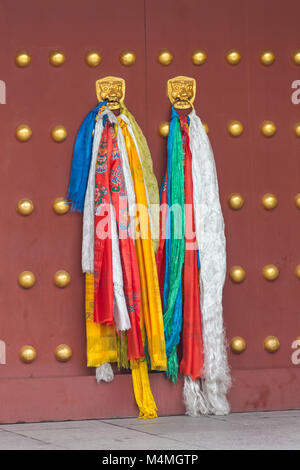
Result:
pixel 151 309
pixel 101 341
pixel 151 302
pixel 149 177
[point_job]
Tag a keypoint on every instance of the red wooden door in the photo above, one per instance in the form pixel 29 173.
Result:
pixel 43 96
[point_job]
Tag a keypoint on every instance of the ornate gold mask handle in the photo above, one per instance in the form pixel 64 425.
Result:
pixel 181 91
pixel 112 90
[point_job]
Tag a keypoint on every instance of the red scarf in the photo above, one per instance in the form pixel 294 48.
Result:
pixel 110 189
pixel 192 346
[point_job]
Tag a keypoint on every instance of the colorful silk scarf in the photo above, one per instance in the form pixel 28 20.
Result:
pixel 149 176
pixel 151 301
pixel 110 195
pixel 116 267
pixel 177 257
pixel 151 311
pixel 204 360
pixel 174 245
pixel 192 347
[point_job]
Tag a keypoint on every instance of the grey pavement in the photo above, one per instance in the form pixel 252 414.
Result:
pixel 256 430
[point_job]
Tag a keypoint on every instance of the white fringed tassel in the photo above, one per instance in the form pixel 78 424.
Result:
pixel 104 373
pixel 209 225
pixel 216 393
pixel 193 397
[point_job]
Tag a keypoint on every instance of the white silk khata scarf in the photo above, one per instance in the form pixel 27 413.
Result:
pixel 209 396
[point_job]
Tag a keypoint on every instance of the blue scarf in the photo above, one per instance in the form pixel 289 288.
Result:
pixel 81 160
